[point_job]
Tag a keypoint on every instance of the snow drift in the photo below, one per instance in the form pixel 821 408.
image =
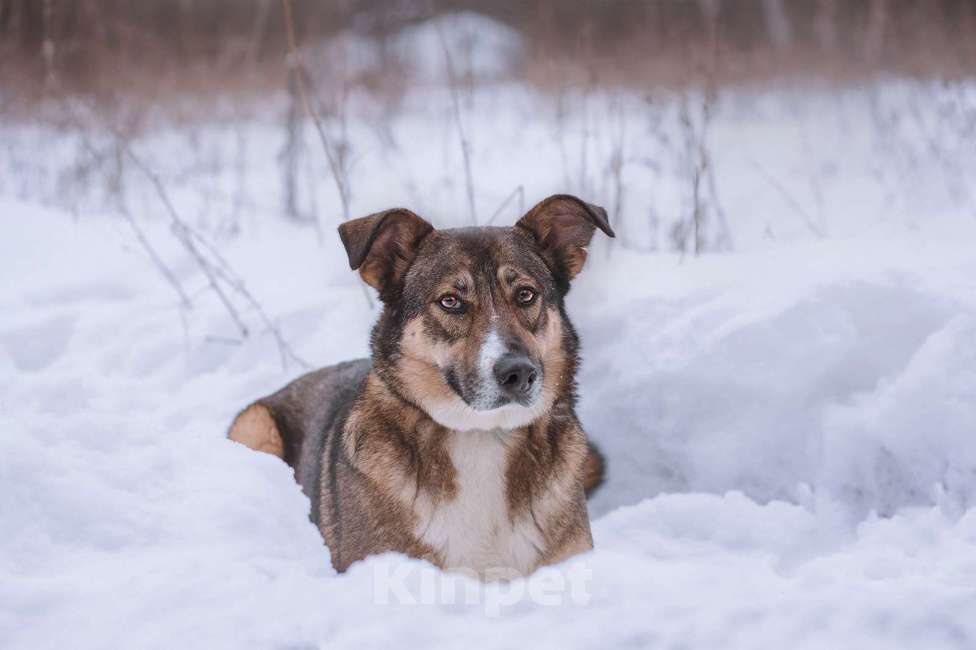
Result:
pixel 790 427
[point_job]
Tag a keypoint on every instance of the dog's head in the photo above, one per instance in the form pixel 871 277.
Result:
pixel 473 329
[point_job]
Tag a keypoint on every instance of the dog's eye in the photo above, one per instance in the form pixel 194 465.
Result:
pixel 525 296
pixel 450 302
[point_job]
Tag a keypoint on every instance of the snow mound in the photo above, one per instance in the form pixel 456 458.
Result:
pixel 833 377
pixel 344 56
pixel 480 48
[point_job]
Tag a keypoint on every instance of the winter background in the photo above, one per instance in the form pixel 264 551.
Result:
pixel 779 349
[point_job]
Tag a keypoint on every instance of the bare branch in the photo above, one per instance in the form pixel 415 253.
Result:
pixel 182 232
pixel 520 193
pixel 304 83
pixel 808 220
pixel 217 274
pixel 456 110
pixel 164 270
pixel 296 65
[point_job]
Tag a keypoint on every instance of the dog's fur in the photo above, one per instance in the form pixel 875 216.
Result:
pixel 458 441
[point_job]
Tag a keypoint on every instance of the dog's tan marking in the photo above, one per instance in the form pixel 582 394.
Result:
pixel 580 543
pixel 420 361
pixel 399 466
pixel 593 469
pixel 547 345
pixel 255 428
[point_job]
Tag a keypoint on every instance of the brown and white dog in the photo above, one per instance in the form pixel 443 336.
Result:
pixel 458 441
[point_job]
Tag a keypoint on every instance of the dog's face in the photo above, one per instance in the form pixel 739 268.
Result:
pixel 473 330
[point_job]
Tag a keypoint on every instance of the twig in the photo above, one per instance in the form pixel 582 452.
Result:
pixel 724 240
pixel 615 168
pixel 697 213
pixel 560 135
pixel 520 193
pixel 195 244
pixel 304 89
pixel 164 270
pixel 456 110
pixel 296 65
pixel 182 232
pixel 697 160
pixel 48 48
pixel 784 193
pixel 223 340
pixel 584 142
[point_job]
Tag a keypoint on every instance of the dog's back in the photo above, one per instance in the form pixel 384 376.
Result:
pixel 297 422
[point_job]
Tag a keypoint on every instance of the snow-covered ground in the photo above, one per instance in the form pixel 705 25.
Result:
pixel 790 424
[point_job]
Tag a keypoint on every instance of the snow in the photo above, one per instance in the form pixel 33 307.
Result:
pixel 481 48
pixel 789 425
pixel 810 368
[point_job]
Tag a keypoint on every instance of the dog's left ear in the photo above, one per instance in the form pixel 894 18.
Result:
pixel 383 245
pixel 563 226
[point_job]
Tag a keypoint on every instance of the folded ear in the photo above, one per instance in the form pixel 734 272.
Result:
pixel 383 245
pixel 563 226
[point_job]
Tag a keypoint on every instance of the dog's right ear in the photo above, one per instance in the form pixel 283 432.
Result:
pixel 383 245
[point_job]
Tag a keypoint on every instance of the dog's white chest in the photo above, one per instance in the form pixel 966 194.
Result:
pixel 473 531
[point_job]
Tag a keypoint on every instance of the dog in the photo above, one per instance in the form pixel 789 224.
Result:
pixel 457 442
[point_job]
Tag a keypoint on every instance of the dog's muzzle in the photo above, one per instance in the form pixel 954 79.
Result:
pixel 512 379
pixel 516 378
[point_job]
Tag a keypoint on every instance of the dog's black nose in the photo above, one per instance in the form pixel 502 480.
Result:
pixel 515 375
